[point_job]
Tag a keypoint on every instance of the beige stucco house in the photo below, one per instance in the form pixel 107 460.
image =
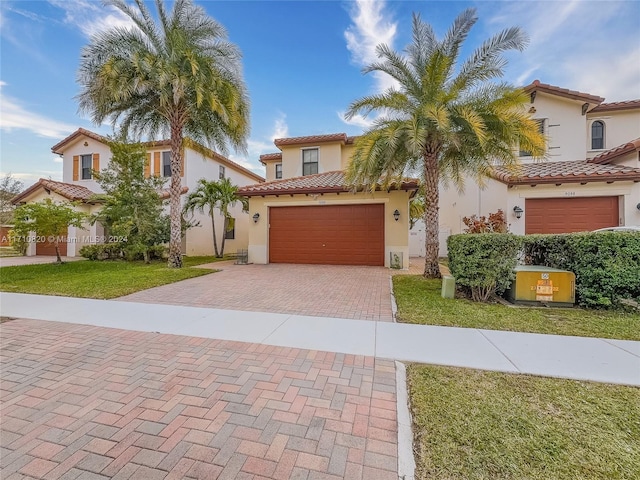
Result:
pixel 590 179
pixel 84 151
pixel 305 213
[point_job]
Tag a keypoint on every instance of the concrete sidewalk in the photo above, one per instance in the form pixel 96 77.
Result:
pixel 601 360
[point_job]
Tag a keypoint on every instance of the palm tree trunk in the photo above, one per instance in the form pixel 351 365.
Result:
pixel 175 239
pixel 431 220
pixel 224 235
pixel 213 230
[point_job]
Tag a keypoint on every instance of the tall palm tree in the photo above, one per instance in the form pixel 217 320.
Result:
pixel 443 120
pixel 205 198
pixel 178 76
pixel 228 198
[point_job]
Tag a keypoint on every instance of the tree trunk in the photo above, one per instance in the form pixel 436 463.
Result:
pixel 431 220
pixel 175 239
pixel 57 246
pixel 213 230
pixel 224 235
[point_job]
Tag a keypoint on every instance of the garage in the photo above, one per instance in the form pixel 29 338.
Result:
pixel 566 215
pixel 48 248
pixel 327 234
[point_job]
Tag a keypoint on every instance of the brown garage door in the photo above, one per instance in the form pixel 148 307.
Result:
pixel 48 248
pixel 565 215
pixel 330 235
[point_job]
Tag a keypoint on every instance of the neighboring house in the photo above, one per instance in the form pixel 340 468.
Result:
pixel 84 152
pixel 304 212
pixel 590 180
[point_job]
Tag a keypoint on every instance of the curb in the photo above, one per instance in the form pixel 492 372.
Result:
pixel 406 462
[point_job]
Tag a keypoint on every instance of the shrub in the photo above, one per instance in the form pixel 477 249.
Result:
pixel 606 264
pixel 484 263
pixel 496 223
pixel 106 251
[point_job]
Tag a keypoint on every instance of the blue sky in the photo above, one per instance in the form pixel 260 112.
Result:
pixel 302 61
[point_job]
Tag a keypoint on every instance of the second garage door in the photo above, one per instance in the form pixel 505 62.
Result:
pixel 330 235
pixel 566 215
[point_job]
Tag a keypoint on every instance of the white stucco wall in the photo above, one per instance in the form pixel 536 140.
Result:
pixel 84 146
pixel 329 158
pixel 620 128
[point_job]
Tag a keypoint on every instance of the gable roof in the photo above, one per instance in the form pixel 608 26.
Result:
pixel 328 182
pixel 619 151
pixel 538 86
pixel 615 106
pixel 270 157
pixel 69 191
pixel 331 137
pixel 576 171
pixel 188 142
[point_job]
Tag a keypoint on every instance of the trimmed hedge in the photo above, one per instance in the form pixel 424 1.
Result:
pixel 606 264
pixel 115 251
pixel 484 262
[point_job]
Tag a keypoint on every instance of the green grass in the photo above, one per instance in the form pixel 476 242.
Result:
pixel 419 302
pixel 86 279
pixel 487 425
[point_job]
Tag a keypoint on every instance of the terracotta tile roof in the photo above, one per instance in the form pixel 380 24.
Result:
pixel 67 190
pixel 328 182
pixel 269 157
pixel 612 106
pixel 577 171
pixel 331 137
pixel 610 155
pixel 78 133
pixel 562 92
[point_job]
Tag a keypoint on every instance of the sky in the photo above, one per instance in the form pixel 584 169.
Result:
pixel 302 61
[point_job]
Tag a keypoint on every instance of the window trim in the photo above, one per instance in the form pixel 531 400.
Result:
pixel 602 138
pixel 89 169
pixel 279 171
pixel 316 163
pixel 221 172
pixel 162 164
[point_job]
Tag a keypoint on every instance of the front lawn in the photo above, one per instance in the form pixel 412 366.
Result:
pixel 106 279
pixel 470 425
pixel 419 302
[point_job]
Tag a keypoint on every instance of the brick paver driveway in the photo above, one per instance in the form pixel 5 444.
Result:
pixel 82 402
pixel 320 290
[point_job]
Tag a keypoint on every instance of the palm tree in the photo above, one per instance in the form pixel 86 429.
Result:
pixel 228 198
pixel 179 76
pixel 205 197
pixel 442 120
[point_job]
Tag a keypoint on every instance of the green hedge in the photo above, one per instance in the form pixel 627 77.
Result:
pixel 606 264
pixel 115 251
pixel 483 263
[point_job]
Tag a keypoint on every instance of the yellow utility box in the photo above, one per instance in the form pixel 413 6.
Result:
pixel 535 284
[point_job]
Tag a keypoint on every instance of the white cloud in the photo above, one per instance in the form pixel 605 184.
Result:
pixel 357 121
pixel 587 46
pixel 57 159
pixel 16 117
pixel 30 178
pixel 370 27
pixel 280 128
pixel 91 17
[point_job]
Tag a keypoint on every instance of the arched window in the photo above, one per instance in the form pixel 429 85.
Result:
pixel 597 135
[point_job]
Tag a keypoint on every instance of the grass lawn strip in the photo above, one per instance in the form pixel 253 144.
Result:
pixel 470 424
pixel 101 280
pixel 419 302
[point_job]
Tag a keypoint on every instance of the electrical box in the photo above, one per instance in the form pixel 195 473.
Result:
pixel 538 285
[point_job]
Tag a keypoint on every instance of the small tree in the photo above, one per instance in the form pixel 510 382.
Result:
pixel 9 188
pixel 47 219
pixel 228 198
pixel 132 206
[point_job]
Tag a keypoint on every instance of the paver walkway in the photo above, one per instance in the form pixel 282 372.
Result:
pixel 85 402
pixel 362 293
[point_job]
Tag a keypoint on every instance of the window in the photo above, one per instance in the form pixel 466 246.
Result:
pixel 597 135
pixel 278 170
pixel 231 234
pixel 166 164
pixel 221 172
pixel 309 161
pixel 540 122
pixel 86 166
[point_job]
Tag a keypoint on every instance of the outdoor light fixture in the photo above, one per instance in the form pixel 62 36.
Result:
pixel 638 206
pixel 396 215
pixel 518 211
pixel 256 216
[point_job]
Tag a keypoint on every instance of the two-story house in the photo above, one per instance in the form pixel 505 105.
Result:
pixel 589 180
pixel 305 213
pixel 84 152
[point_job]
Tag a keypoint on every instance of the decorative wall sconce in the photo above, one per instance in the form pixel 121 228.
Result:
pixel 256 217
pixel 518 211
pixel 396 215
pixel 638 206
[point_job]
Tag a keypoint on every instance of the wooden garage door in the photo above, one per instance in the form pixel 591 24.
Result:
pixel 331 234
pixel 565 215
pixel 48 248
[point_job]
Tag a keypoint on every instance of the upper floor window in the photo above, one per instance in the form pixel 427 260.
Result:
pixel 597 135
pixel 86 166
pixel 309 161
pixel 166 164
pixel 221 170
pixel 278 170
pixel 540 122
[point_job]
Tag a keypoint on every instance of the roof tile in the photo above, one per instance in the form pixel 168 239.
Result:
pixel 564 172
pixel 562 92
pixel 331 137
pixel 69 191
pixel 620 150
pixel 611 106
